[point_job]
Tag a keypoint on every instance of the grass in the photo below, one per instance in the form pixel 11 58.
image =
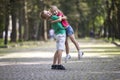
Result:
pixel 1 42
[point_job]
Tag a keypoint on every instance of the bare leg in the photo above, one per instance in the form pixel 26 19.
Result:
pixel 59 56
pixel 80 54
pixel 72 38
pixel 67 50
pixel 67 46
pixel 55 58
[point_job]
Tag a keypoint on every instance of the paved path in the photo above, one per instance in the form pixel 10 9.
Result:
pixel 35 63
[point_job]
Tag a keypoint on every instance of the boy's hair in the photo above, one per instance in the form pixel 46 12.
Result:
pixel 42 15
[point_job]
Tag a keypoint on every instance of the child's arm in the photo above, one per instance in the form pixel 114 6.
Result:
pixel 59 19
pixel 64 17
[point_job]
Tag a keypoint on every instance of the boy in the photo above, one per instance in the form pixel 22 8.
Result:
pixel 60 39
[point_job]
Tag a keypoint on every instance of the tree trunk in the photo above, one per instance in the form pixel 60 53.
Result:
pixel 26 28
pixel 118 20
pixel 118 24
pixel 45 30
pixel 109 22
pixel 20 27
pixel 45 27
pixel 13 14
pixel 6 22
pixel 20 19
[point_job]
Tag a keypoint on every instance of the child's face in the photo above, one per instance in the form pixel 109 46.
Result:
pixel 53 11
pixel 47 14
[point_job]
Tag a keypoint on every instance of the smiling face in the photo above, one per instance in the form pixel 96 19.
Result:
pixel 54 10
pixel 46 14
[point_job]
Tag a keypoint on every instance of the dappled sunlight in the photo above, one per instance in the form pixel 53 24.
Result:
pixel 27 52
pixel 37 57
pixel 104 72
pixel 87 54
pixel 97 45
pixel 32 54
pixel 24 63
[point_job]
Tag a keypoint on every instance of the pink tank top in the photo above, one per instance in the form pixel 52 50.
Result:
pixel 64 21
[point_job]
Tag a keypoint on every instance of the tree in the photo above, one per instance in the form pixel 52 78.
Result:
pixel 20 18
pixel 83 16
pixel 26 27
pixel 2 15
pixel 14 20
pixel 112 18
pixel 7 12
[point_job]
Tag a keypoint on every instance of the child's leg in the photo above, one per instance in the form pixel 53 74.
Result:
pixel 67 45
pixel 60 66
pixel 55 58
pixel 80 53
pixel 72 38
pixel 59 56
pixel 60 47
pixel 67 50
pixel 54 65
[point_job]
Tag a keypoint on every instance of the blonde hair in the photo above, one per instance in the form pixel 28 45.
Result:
pixel 55 8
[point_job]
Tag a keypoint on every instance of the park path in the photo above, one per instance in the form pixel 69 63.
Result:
pixel 98 63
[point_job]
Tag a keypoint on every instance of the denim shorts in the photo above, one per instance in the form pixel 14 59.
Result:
pixel 69 31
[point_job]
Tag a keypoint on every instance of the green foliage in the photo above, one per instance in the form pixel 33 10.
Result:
pixel 99 20
pixel 83 15
pixel 1 42
pixel 1 16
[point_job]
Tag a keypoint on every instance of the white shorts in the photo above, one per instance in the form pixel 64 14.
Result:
pixel 60 41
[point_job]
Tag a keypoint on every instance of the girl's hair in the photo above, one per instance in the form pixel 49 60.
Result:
pixel 55 8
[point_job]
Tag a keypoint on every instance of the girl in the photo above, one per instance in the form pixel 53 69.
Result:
pixel 69 31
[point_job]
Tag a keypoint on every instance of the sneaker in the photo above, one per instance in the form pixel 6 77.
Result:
pixel 54 66
pixel 80 54
pixel 61 67
pixel 67 57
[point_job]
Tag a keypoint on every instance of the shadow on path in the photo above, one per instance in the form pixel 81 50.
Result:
pixel 88 68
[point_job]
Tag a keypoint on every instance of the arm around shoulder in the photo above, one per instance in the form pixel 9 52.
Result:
pixel 58 20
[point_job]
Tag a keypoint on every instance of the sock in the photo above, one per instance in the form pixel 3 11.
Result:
pixel 80 52
pixel 67 54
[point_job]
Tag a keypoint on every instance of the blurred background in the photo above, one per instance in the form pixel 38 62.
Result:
pixel 20 19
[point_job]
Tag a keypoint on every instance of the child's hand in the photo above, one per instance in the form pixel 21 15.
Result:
pixel 50 20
